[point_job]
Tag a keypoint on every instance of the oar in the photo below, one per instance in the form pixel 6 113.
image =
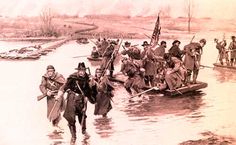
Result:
pixel 81 56
pixel 153 88
pixel 205 66
pixel 178 92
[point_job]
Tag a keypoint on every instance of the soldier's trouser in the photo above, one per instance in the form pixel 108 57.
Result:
pixel 188 77
pixel 232 61
pixel 148 79
pixel 80 118
pixel 189 73
pixel 128 84
pixel 72 128
pixel 221 58
pixel 195 74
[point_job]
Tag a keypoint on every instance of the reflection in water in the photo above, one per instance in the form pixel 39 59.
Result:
pixel 160 105
pixel 224 75
pixel 104 127
pixel 86 140
pixel 56 138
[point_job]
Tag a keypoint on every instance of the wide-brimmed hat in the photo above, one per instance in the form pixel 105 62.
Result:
pixel 81 66
pixel 113 42
pixel 127 44
pixel 176 41
pixel 203 41
pixel 145 43
pixel 50 67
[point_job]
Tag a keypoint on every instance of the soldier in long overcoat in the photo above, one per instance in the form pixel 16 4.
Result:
pixel 132 51
pixel 160 51
pixel 175 50
pixel 150 65
pixel 232 48
pixel 109 57
pixel 193 52
pixel 175 72
pixel 79 92
pixel 135 79
pixel 50 84
pixel 104 95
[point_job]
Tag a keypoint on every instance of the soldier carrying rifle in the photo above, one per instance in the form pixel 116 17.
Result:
pixel 232 48
pixel 50 84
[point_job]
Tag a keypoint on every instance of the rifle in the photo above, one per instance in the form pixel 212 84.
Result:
pixel 85 105
pixel 153 88
pixel 112 57
pixel 147 36
pixel 81 56
pixel 82 121
pixel 124 48
pixel 192 39
pixel 205 66
pixel 40 97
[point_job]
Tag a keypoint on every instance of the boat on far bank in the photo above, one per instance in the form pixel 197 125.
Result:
pixel 82 41
pixel 224 66
pixel 94 58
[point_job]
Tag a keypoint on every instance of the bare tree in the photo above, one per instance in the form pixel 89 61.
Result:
pixel 47 27
pixel 189 10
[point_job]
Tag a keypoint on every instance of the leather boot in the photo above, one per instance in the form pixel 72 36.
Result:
pixel 73 133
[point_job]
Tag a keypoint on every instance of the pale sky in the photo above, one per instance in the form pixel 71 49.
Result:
pixel 203 8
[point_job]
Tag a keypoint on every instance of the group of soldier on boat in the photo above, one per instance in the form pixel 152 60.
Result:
pixel 150 66
pixel 226 56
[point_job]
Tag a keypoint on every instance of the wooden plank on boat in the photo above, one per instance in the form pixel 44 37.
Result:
pixel 94 59
pixel 224 66
pixel 185 89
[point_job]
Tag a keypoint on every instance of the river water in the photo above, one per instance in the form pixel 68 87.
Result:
pixel 151 120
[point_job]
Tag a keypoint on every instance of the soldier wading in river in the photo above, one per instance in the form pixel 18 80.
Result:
pixel 105 94
pixel 50 84
pixel 79 91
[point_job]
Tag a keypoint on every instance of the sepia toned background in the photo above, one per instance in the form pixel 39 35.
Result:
pixel 203 118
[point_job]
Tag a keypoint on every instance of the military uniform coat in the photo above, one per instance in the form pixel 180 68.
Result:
pixel 191 61
pixel 176 75
pixel 75 98
pixel 232 46
pixel 104 96
pixel 53 84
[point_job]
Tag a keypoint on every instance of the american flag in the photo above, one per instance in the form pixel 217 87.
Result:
pixel 156 32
